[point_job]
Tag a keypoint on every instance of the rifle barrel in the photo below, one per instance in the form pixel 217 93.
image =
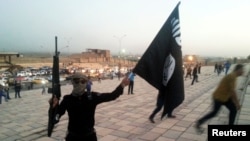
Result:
pixel 56 91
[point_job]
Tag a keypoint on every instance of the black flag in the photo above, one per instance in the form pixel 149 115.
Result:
pixel 161 64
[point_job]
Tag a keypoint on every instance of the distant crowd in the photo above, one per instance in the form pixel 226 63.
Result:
pixel 191 71
pixel 4 91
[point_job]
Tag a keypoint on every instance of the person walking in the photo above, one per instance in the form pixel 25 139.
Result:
pixel 131 83
pixel 219 69
pixel 195 75
pixel 7 89
pixel 119 74
pixel 227 66
pixel 159 106
pixel 43 89
pixel 99 77
pixel 89 86
pixel 188 72
pixel 225 94
pixel 199 68
pixel 215 67
pixel 2 94
pixel 17 89
pixel 81 109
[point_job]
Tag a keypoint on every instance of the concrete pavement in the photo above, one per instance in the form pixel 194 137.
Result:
pixel 125 119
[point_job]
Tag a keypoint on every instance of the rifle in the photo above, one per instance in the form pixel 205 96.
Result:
pixel 55 90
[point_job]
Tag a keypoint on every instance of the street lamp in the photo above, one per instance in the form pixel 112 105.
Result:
pixel 64 47
pixel 120 45
pixel 67 46
pixel 120 42
pixel 190 59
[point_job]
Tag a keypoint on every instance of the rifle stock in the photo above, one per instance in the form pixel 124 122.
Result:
pixel 56 91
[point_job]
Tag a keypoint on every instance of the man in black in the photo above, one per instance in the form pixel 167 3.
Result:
pixel 215 67
pixel 159 106
pixel 195 75
pixel 17 89
pixel 81 108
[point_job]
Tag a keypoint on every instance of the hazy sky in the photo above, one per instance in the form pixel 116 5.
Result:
pixel 208 27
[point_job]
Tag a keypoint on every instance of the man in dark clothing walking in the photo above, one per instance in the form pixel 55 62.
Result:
pixel 81 109
pixel 199 68
pixel 189 72
pixel 215 67
pixel 195 75
pixel 17 89
pixel 159 105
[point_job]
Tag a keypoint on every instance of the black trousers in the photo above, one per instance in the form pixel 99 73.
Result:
pixel 157 109
pixel 131 87
pixel 195 78
pixel 216 107
pixel 17 93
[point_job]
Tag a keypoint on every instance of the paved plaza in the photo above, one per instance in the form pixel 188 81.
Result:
pixel 125 119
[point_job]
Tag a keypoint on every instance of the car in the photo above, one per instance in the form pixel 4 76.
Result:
pixel 6 74
pixel 61 78
pixel 21 73
pixel 2 83
pixel 3 80
pixel 40 81
pixel 93 75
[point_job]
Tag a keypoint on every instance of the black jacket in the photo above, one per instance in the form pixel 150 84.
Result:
pixel 195 70
pixel 81 110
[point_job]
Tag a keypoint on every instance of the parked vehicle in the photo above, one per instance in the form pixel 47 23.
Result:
pixel 60 79
pixel 21 73
pixel 40 81
pixel 6 74
pixel 2 83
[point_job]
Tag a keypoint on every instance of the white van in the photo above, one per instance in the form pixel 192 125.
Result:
pixel 21 73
